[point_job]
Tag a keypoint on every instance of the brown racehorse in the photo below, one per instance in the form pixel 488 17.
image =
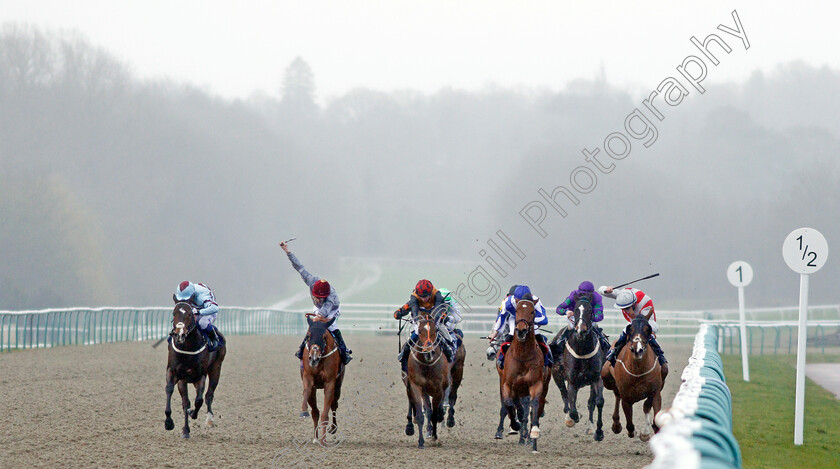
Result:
pixel 322 369
pixel 636 376
pixel 428 379
pixel 190 362
pixel 523 383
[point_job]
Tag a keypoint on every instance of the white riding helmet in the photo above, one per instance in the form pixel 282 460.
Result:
pixel 184 291
pixel 625 299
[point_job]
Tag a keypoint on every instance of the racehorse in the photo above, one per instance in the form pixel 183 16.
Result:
pixel 428 379
pixel 322 369
pixel 523 380
pixel 579 364
pixel 191 362
pixel 636 376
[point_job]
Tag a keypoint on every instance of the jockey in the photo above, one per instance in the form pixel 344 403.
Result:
pixel 452 318
pixel 203 302
pixel 325 301
pixel 632 302
pixel 567 307
pixel 427 297
pixel 493 349
pixel 508 315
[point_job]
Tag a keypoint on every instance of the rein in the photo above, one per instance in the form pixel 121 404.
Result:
pixel 325 355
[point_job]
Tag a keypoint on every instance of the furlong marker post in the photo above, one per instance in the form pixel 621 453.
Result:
pixel 740 274
pixel 805 251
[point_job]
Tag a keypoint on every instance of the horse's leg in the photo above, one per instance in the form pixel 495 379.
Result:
pixel 213 381
pixel 427 409
pixel 170 387
pixel 628 415
pixel 334 406
pixel 657 405
pixel 324 421
pixel 616 425
pixel 308 390
pixel 417 398
pixel 409 427
pixel 451 398
pixel 313 405
pixel 573 417
pixel 500 430
pixel 437 413
pixel 536 395
pixel 510 405
pixel 560 381
pixel 546 387
pixel 199 396
pixel 185 404
pixel 524 404
pixel 597 395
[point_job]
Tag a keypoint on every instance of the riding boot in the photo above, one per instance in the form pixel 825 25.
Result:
pixel 299 353
pixel 212 339
pixel 659 353
pixel 342 347
pixel 605 341
pixel 622 339
pixel 448 350
pixel 561 342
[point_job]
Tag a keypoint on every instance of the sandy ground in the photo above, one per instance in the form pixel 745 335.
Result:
pixel 102 406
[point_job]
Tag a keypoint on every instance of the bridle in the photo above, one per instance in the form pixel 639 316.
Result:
pixel 178 331
pixel 528 323
pixel 427 349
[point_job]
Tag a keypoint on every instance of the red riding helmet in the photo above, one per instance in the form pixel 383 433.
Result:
pixel 424 288
pixel 321 289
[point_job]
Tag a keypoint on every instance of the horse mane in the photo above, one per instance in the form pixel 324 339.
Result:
pixel 316 333
pixel 640 323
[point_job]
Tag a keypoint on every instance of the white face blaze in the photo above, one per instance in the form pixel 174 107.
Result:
pixel 637 344
pixel 179 328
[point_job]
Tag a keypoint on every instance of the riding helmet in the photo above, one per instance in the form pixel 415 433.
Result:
pixel 185 291
pixel 424 288
pixel 321 289
pixel 625 299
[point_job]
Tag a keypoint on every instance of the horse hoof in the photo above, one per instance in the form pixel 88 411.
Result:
pixel 522 440
pixel 511 431
pixel 616 428
pixel 304 415
pixel 631 434
pixel 644 437
pixel 570 423
pixel 169 424
pixel 209 421
pixel 499 435
pixel 514 426
pixel 185 435
pixel 409 430
pixel 535 433
pixel 599 435
pixel 194 415
pixel 421 446
pixel 450 422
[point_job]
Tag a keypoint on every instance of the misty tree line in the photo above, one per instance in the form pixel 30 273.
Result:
pixel 113 189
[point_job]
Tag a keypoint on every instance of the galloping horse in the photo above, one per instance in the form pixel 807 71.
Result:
pixel 191 362
pixel 322 369
pixel 579 364
pixel 637 375
pixel 457 374
pixel 428 379
pixel 523 383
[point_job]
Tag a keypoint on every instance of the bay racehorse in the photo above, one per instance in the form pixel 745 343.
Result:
pixel 579 364
pixel 636 376
pixel 190 361
pixel 523 382
pixel 322 368
pixel 428 378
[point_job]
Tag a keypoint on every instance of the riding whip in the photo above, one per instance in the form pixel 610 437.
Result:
pixel 637 280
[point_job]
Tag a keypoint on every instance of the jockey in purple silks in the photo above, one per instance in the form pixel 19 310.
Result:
pixel 586 290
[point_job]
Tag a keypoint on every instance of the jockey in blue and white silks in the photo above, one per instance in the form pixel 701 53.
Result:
pixel 203 301
pixel 507 316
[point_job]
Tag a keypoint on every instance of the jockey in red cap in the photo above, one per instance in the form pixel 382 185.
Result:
pixel 428 298
pixel 325 300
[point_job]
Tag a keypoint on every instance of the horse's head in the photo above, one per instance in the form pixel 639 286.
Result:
pixel 583 316
pixel 183 322
pixel 317 336
pixel 524 317
pixel 640 334
pixel 427 333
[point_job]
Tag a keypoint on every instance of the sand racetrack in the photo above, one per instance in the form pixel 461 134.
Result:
pixel 102 406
